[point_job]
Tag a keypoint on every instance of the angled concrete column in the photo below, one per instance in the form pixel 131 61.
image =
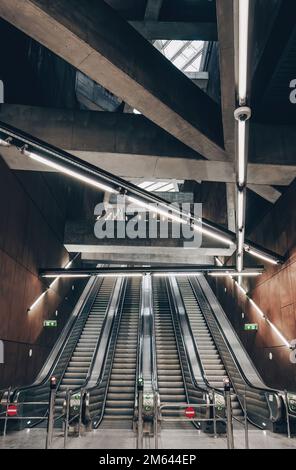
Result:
pixel 96 40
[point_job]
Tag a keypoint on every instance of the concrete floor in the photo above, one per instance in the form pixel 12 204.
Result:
pixel 169 439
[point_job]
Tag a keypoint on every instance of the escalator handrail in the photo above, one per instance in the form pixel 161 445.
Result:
pixel 264 390
pixel 92 286
pixel 139 367
pixel 101 335
pixel 208 386
pixel 89 390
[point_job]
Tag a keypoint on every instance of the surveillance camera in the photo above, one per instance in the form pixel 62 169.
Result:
pixel 243 113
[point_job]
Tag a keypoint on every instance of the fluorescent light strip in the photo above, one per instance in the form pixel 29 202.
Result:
pixel 66 171
pixel 285 341
pixel 243 291
pixel 120 275
pixel 175 218
pixel 241 158
pixel 4 143
pixel 176 274
pixel 213 235
pixel 262 315
pixel 37 301
pixel 158 210
pixel 243 49
pixel 234 274
pixel 260 256
pixel 240 209
pixel 49 287
pixel 257 308
pixel 58 276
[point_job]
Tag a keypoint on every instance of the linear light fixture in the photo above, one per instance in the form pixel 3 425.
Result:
pixel 67 266
pixel 256 254
pixel 240 209
pixel 213 235
pixel 235 274
pixel 243 291
pixel 54 157
pixel 120 275
pixel 4 143
pixel 159 210
pixel 241 153
pixel 67 171
pixel 37 300
pixel 277 331
pixel 244 11
pixel 178 219
pixel 177 274
pixel 58 276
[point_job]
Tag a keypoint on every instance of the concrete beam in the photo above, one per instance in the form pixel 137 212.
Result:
pixel 99 132
pixel 142 166
pixel 159 251
pixel 267 192
pixel 145 258
pixel 153 9
pixel 227 71
pixel 96 40
pixel 176 30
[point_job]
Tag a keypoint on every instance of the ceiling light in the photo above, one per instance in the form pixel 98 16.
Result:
pixel 177 274
pixel 67 171
pixel 243 49
pixel 155 208
pixel 241 157
pixel 4 143
pixel 72 275
pixel 235 274
pixel 213 235
pixel 256 254
pixel 37 301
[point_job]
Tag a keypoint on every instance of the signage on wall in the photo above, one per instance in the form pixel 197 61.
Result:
pixel 251 326
pixel 50 323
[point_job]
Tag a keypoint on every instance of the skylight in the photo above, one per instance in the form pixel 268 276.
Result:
pixel 185 55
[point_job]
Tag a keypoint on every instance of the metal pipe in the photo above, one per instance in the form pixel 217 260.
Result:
pixel 246 420
pixel 82 391
pixel 140 420
pixel 229 424
pixel 6 417
pixel 50 422
pixel 68 397
pixel 156 420
pixel 287 414
pixel 214 413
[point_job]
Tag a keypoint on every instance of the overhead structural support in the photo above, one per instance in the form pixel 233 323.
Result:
pixel 92 37
pixel 72 166
pixel 131 146
pixel 217 271
pixel 153 8
pixel 176 30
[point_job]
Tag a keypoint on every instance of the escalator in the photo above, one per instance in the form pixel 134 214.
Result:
pixel 214 370
pixel 120 397
pixel 222 354
pixel 71 358
pixel 81 360
pixel 169 371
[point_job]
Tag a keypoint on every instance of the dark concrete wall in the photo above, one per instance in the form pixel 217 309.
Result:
pixel 32 208
pixel 274 292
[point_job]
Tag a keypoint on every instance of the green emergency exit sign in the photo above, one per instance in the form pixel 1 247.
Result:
pixel 251 326
pixel 50 323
